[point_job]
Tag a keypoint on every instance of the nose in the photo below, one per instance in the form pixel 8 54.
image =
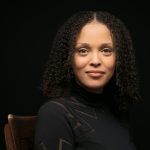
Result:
pixel 95 60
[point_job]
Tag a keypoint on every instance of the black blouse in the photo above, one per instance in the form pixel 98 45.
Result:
pixel 80 121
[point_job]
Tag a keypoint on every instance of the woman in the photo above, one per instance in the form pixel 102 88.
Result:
pixel 91 81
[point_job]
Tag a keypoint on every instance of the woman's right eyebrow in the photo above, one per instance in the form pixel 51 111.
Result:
pixel 82 44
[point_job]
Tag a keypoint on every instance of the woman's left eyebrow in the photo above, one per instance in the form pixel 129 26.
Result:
pixel 106 45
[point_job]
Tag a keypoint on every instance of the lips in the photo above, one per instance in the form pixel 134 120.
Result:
pixel 95 73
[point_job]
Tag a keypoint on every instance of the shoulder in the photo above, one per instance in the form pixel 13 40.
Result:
pixel 63 107
pixel 53 107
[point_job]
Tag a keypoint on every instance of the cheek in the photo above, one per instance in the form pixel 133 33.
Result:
pixel 79 63
pixel 111 64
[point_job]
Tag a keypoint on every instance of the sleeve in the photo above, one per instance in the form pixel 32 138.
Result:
pixel 53 131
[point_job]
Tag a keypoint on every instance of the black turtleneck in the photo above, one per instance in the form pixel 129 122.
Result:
pixel 88 98
pixel 80 121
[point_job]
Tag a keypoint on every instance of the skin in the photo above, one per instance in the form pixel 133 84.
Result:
pixel 94 59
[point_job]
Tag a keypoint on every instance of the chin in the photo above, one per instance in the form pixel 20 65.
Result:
pixel 92 86
pixel 95 85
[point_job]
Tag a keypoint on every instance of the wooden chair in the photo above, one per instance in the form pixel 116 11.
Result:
pixel 19 132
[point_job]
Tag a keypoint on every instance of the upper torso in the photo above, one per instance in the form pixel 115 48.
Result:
pixel 70 124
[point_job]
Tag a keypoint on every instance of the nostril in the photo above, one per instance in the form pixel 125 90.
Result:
pixel 95 64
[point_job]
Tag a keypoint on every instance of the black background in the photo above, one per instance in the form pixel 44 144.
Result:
pixel 27 31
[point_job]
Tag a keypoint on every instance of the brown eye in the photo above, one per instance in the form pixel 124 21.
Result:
pixel 106 51
pixel 82 51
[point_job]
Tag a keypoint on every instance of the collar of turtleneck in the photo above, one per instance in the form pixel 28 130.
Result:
pixel 102 100
pixel 89 98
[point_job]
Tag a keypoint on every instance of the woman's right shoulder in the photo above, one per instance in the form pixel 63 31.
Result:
pixel 53 105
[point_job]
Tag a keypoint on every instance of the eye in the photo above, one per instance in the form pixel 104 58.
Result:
pixel 107 51
pixel 82 51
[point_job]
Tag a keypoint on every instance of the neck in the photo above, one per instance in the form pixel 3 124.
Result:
pixel 91 90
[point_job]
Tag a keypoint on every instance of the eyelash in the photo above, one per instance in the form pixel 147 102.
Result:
pixel 82 51
pixel 106 51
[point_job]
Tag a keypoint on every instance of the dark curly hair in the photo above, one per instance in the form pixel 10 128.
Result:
pixel 59 70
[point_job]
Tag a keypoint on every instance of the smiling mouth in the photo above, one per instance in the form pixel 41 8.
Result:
pixel 95 74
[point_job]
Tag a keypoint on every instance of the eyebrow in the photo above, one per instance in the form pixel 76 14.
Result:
pixel 107 44
pixel 86 44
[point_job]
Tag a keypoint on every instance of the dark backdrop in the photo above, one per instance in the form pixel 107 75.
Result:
pixel 27 32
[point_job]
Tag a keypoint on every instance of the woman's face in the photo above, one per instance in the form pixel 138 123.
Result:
pixel 94 59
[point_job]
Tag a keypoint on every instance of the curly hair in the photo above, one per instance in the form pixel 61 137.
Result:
pixel 59 70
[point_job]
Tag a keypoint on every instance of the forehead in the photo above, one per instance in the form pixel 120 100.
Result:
pixel 94 32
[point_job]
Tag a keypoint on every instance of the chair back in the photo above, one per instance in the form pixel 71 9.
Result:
pixel 19 132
